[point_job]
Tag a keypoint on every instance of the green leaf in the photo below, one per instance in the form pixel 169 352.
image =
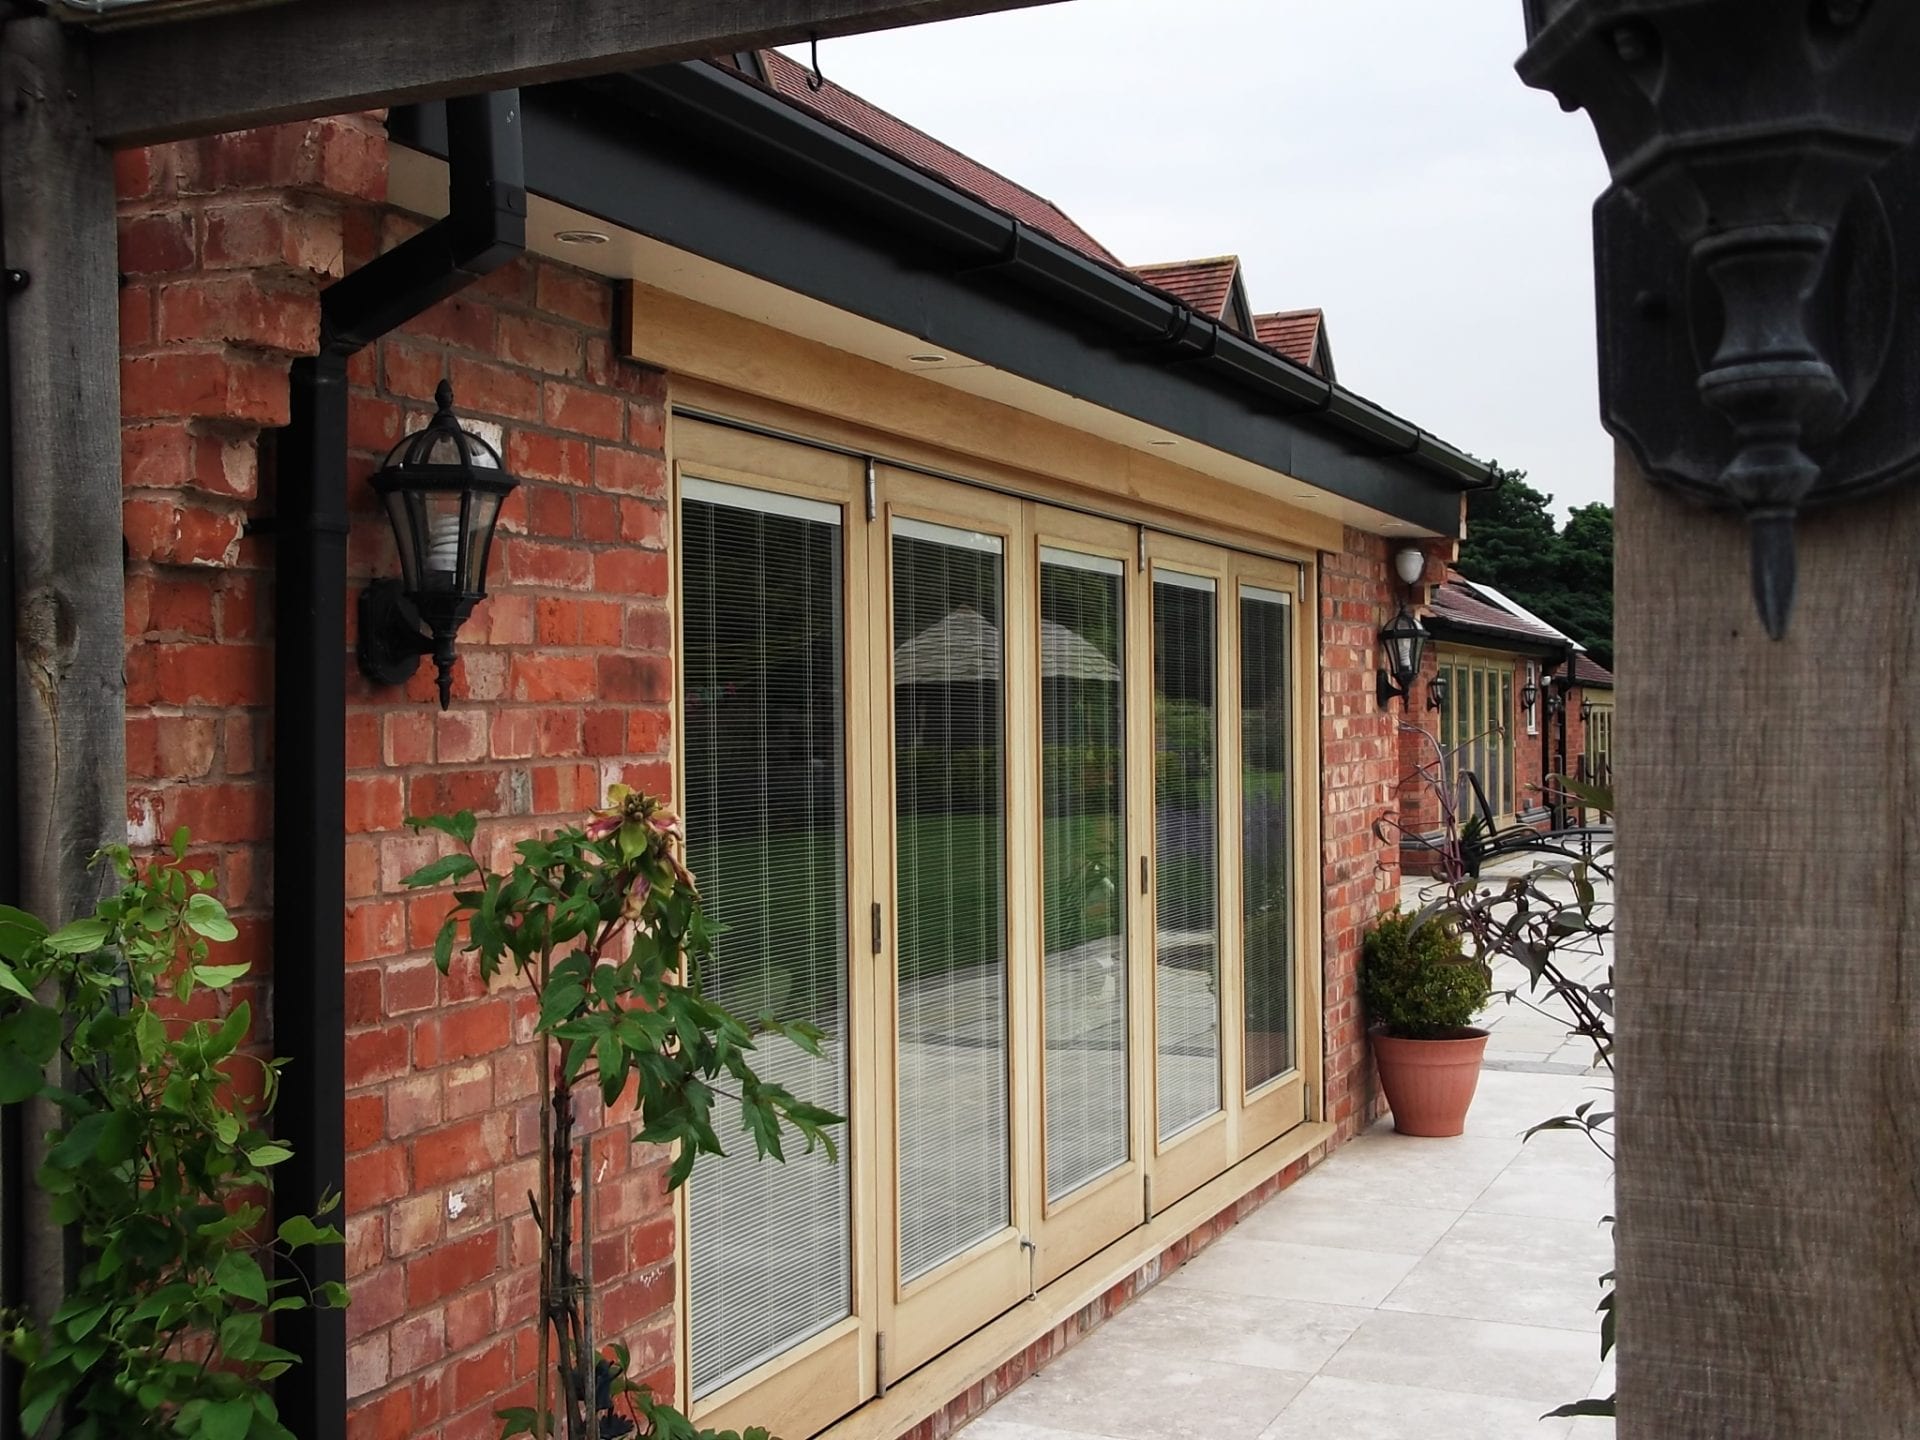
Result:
pixel 11 982
pixel 227 1419
pixel 447 867
pixel 78 1145
pixel 19 932
pixel 218 977
pixel 34 1032
pixel 180 841
pixel 265 1155
pixel 150 1034
pixel 461 826
pixel 207 917
pixel 20 1077
pixel 78 938
pixel 238 1273
pixel 298 1230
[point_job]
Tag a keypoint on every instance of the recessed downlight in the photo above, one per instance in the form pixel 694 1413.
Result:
pixel 929 358
pixel 581 237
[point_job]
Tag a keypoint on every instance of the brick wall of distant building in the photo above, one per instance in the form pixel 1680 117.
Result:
pixel 563 686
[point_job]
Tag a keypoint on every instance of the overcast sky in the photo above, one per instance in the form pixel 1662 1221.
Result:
pixel 1377 158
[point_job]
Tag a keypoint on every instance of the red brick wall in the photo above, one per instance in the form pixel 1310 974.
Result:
pixel 1360 774
pixel 563 687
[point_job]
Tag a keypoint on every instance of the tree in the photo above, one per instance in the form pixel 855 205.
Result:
pixel 1565 576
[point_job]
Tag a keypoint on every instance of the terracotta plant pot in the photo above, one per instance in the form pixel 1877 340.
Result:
pixel 1430 1083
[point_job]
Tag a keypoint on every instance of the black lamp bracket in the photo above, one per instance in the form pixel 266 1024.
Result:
pixel 1758 255
pixel 393 639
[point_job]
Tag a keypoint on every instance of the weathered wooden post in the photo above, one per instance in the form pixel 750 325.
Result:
pixel 1758 258
pixel 69 728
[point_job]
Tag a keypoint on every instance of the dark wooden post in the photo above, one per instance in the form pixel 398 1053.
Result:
pixel 1769 978
pixel 64 369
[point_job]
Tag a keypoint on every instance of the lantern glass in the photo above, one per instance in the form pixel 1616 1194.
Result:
pixel 442 487
pixel 1403 640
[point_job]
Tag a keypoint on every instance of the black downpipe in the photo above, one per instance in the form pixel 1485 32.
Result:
pixel 486 226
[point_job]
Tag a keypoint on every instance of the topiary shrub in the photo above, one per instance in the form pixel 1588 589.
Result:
pixel 1417 980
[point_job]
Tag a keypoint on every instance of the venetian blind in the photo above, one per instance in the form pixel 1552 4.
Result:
pixel 1186 817
pixel 763 705
pixel 1266 857
pixel 1083 827
pixel 950 824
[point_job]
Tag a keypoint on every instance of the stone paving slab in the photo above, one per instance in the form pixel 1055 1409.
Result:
pixel 1428 1289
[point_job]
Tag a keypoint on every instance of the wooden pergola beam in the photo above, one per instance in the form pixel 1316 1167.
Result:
pixel 323 57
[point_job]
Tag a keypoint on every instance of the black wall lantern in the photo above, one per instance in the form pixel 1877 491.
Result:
pixel 1437 691
pixel 1404 641
pixel 1586 710
pixel 442 486
pixel 1755 256
pixel 1529 695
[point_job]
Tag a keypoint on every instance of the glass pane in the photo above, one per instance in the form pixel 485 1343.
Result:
pixel 1186 813
pixel 951 832
pixel 1265 850
pixel 767 837
pixel 1083 830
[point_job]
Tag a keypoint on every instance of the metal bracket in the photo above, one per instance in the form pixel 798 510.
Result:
pixel 1756 257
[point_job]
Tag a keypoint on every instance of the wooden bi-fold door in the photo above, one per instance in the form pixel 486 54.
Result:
pixel 1006 800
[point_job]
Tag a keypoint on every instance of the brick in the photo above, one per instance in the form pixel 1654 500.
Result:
pixel 280 234
pixel 584 411
pixel 540 345
pixel 630 572
pixel 450 1268
pixel 481 388
pixel 363 1007
pixel 417 1342
pixel 637 679
pixel 169 532
pixel 533 455
pixel 414 1104
pixel 583 299
pixel 204 383
pixel 375 804
pixel 239 310
pixel 416 1225
pixel 375 928
pixel 366 1366
pixel 536 678
pixel 388 1417
pixel 407 737
pixel 366 1242
pixel 160 244
pixel 470 1319
pixel 365 1121
pixel 411 986
pixel 463 1032
pixel 549 513
pixel 479 1378
pixel 375 1055
pixel 136 317
pixel 466 324
pixel 629 472
pixel 374 1177
pixel 447 792
pixel 170 747
pixel 528 562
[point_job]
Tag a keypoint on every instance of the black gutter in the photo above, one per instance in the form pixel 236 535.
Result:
pixel 1465 632
pixel 705 160
pixel 486 227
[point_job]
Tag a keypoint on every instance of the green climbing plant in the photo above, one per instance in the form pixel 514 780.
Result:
pixel 606 926
pixel 159 1165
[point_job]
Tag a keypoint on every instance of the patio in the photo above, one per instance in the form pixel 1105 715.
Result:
pixel 1440 1289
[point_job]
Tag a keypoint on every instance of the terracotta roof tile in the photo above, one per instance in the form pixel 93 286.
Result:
pixel 1202 285
pixel 1458 601
pixel 1589 671
pixel 1294 333
pixel 843 108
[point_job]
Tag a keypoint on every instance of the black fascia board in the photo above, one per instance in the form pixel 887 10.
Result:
pixel 1486 637
pixel 702 160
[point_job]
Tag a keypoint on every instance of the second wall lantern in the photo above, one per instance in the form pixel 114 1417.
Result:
pixel 443 487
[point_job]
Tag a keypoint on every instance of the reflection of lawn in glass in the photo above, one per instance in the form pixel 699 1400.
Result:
pixel 948 855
